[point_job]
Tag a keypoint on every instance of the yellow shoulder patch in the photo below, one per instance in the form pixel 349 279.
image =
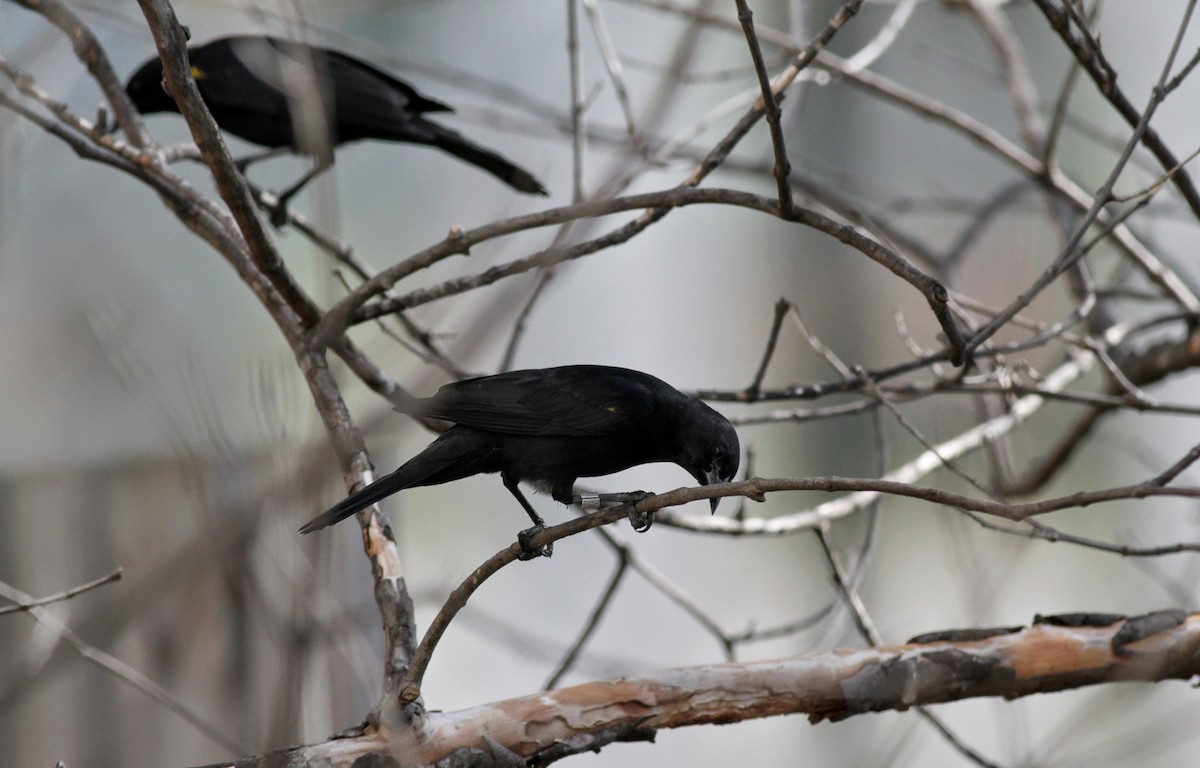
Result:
pixel 197 73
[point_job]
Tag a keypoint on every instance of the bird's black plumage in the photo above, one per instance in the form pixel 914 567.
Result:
pixel 286 95
pixel 550 426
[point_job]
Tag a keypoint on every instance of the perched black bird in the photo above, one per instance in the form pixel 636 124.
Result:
pixel 550 426
pixel 287 95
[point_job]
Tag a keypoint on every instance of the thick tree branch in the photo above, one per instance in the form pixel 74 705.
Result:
pixel 1057 654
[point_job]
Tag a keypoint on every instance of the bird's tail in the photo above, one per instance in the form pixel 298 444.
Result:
pixel 456 454
pixel 363 498
pixel 463 148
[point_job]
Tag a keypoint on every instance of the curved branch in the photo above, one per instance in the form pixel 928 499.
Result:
pixel 864 490
pixel 655 206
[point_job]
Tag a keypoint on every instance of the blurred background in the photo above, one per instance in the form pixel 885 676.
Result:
pixel 153 419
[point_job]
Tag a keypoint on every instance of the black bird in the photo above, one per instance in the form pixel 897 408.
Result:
pixel 286 95
pixel 549 427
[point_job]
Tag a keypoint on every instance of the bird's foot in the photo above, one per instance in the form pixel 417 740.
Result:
pixel 641 521
pixel 528 550
pixel 279 214
pixel 102 126
pixel 277 211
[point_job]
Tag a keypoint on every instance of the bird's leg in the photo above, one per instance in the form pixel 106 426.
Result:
pixel 245 162
pixel 102 127
pixel 279 214
pixel 278 211
pixel 511 485
pixel 641 521
pixel 539 525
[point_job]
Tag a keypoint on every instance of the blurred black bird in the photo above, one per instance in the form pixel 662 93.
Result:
pixel 289 96
pixel 550 426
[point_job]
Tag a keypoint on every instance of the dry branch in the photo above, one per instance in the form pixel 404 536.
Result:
pixel 824 686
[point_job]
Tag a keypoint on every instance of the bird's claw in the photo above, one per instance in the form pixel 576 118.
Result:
pixel 279 215
pixel 528 550
pixel 641 521
pixel 102 126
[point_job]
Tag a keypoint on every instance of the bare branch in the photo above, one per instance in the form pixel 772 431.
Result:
pixel 122 671
pixel 64 595
pixel 1092 61
pixel 1014 662
pixel 770 107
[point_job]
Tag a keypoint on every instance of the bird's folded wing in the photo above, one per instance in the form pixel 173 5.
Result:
pixel 241 73
pixel 359 84
pixel 520 404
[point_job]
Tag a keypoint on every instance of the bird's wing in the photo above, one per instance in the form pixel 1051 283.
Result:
pixel 357 82
pixel 243 83
pixel 240 73
pixel 576 401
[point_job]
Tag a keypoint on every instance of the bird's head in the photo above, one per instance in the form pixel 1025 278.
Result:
pixel 146 92
pixel 710 447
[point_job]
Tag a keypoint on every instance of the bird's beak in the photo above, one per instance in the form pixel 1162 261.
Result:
pixel 710 478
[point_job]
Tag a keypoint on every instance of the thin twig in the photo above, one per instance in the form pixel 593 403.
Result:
pixel 666 587
pixel 124 672
pixel 1036 529
pixel 616 73
pixel 770 105
pixel 1090 56
pixel 590 626
pixel 655 205
pixel 410 689
pixel 873 389
pixel 578 139
pixel 866 628
pixel 1070 252
pixel 781 308
pixel 65 595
